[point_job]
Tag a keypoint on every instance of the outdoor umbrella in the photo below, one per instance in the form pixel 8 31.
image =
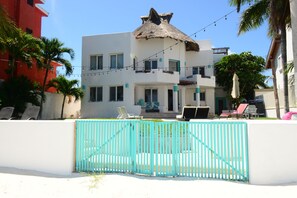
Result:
pixel 235 89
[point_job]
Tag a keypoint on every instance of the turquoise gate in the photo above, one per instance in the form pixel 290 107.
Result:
pixel 193 149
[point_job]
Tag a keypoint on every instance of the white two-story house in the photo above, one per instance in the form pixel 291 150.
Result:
pixel 274 59
pixel 156 68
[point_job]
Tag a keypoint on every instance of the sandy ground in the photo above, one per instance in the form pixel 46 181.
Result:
pixel 20 183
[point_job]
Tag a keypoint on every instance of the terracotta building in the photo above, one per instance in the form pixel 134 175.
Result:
pixel 27 15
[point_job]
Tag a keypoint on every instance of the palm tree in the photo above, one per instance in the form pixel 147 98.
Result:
pixel 17 92
pixel 277 12
pixel 53 50
pixel 6 25
pixel 67 88
pixel 21 47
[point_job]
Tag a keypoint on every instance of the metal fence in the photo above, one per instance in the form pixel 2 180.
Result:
pixel 193 149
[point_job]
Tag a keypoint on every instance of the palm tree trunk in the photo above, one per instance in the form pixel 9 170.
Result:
pixel 276 99
pixel 42 92
pixel 12 64
pixel 62 111
pixel 284 64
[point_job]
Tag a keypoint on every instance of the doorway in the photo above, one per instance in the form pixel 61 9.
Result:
pixel 170 100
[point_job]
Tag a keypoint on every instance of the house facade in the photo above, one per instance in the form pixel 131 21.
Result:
pixel 293 7
pixel 156 68
pixel 274 58
pixel 27 15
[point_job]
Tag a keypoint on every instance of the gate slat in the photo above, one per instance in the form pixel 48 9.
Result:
pixel 193 149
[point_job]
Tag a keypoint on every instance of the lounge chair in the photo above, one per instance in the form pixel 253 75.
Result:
pixel 238 113
pixel 123 114
pixel 120 114
pixel 202 112
pixel 251 111
pixel 6 113
pixel 188 113
pixel 31 113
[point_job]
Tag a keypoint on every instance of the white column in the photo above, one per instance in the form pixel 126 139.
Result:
pixel 210 99
pixel 183 96
pixel 197 91
pixel 175 98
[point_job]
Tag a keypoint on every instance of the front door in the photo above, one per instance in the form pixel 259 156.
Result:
pixel 170 100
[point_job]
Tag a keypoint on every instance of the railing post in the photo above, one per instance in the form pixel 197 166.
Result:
pixel 152 150
pixel 133 145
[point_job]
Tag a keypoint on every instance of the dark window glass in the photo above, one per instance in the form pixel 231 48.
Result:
pixel 112 94
pixel 195 70
pixel 202 96
pixel 93 63
pixel 147 65
pixel 29 31
pixel 155 95
pixel 147 95
pixel 120 93
pixel 92 94
pixel 202 71
pixel 154 64
pixel 30 2
pixel 120 61
pixel 99 94
pixel 100 62
pixel 113 61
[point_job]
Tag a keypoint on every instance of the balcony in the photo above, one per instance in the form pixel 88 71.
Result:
pixel 156 76
pixel 206 81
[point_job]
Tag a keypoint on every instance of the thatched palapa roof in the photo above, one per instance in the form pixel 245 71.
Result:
pixel 158 26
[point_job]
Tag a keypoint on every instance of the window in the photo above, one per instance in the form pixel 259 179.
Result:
pixel 117 61
pixel 151 95
pixel 174 65
pixel 96 94
pixel 96 62
pixel 199 70
pixel 30 2
pixel 29 31
pixel 202 96
pixel 150 64
pixel 116 93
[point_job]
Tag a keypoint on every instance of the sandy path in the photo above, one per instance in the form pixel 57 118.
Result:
pixel 20 183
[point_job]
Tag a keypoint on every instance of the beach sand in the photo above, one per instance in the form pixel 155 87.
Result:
pixel 31 184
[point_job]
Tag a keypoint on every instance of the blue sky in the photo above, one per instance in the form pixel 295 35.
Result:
pixel 70 20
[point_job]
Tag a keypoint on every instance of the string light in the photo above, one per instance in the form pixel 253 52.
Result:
pixel 155 54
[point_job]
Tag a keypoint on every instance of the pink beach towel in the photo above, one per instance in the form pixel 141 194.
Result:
pixel 288 115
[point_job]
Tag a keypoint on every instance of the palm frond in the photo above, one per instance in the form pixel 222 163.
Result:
pixel 239 3
pixel 254 16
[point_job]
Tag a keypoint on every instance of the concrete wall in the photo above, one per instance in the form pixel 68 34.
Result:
pixel 53 106
pixel 268 96
pixel 272 152
pixel 49 146
pixel 46 146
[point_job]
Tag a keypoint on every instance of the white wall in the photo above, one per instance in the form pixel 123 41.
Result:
pixel 202 58
pixel 53 106
pixel 272 152
pixel 105 45
pixel 268 96
pixel 46 146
